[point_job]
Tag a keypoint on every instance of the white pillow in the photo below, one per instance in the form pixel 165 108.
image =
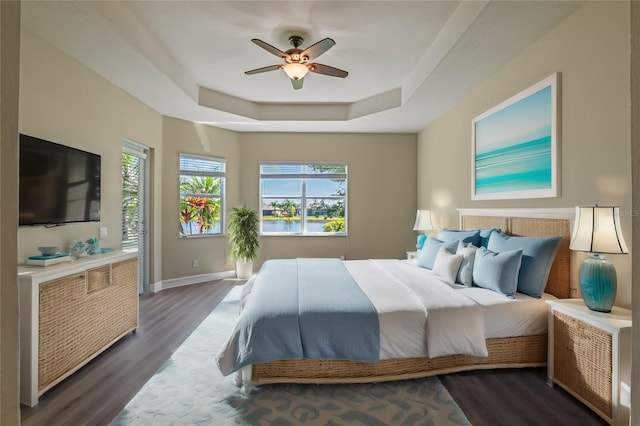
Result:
pixel 465 273
pixel 446 265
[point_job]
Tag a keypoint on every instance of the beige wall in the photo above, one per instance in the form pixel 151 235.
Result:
pixel 381 191
pixel 211 252
pixel 375 230
pixel 9 76
pixel 63 101
pixel 635 161
pixel 591 50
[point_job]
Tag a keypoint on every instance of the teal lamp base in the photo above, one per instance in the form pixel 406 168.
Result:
pixel 420 241
pixel 598 283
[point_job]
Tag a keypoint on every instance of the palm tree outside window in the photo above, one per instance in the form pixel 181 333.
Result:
pixel 202 182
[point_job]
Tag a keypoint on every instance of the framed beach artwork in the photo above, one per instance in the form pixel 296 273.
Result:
pixel 516 146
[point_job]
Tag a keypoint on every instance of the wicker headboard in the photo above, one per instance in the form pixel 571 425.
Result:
pixel 559 283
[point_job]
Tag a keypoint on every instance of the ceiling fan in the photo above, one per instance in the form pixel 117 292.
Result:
pixel 297 60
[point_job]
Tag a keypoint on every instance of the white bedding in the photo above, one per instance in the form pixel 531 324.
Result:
pixel 422 316
pixel 402 311
pixel 419 314
pixel 504 317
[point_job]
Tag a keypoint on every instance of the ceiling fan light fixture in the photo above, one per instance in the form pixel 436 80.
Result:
pixel 297 63
pixel 296 71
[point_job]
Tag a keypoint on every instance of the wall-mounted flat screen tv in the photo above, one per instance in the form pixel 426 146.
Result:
pixel 58 184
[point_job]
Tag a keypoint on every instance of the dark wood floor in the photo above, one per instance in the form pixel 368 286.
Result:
pixel 99 391
pixel 516 397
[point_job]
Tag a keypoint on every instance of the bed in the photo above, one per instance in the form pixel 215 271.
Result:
pixel 506 347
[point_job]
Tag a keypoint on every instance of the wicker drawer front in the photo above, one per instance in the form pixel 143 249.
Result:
pixel 62 329
pixel 98 278
pixel 82 314
pixel 583 360
pixel 125 282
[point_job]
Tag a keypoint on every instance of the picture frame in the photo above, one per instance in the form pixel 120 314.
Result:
pixel 516 145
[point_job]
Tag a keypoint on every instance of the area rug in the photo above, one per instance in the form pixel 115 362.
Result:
pixel 190 390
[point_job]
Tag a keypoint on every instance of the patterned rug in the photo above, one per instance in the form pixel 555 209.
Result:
pixel 189 390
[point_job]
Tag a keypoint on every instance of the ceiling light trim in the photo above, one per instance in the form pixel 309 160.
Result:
pixel 376 103
pixel 223 102
pixel 456 26
pixel 326 111
pixel 147 44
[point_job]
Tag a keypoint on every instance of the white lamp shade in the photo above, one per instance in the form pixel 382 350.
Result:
pixel 423 221
pixel 597 229
pixel 296 71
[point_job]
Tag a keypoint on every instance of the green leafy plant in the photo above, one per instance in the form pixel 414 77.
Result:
pixel 130 199
pixel 334 225
pixel 243 230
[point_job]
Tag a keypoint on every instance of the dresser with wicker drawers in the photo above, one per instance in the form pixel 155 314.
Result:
pixel 70 313
pixel 590 356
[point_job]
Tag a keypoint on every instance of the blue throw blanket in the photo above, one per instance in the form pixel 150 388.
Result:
pixel 303 308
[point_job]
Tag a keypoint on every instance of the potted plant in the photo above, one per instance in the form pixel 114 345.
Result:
pixel 243 237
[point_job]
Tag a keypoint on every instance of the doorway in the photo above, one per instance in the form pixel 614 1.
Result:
pixel 135 189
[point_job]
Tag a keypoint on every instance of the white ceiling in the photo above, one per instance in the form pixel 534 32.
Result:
pixel 408 61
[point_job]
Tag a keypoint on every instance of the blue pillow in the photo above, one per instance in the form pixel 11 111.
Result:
pixel 538 254
pixel 485 234
pixel 429 252
pixel 472 237
pixel 497 271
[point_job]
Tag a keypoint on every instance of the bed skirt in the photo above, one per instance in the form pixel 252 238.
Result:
pixel 508 352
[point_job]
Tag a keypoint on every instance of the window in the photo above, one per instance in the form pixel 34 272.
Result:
pixel 303 199
pixel 201 195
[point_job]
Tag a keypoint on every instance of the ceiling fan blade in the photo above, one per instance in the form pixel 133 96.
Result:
pixel 297 84
pixel 269 48
pixel 327 70
pixel 318 49
pixel 263 69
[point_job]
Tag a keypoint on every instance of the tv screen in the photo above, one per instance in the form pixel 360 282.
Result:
pixel 58 184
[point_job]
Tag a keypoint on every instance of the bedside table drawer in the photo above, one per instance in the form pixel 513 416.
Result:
pixel 583 360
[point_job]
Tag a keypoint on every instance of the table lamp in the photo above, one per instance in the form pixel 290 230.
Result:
pixel 597 230
pixel 423 223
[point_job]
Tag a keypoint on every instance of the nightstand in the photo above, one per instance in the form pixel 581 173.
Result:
pixel 412 254
pixel 590 356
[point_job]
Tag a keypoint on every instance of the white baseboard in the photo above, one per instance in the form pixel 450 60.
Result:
pixel 192 279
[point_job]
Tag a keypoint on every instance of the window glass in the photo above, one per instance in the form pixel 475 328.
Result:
pixel 281 187
pixel 325 187
pixel 202 182
pixel 303 199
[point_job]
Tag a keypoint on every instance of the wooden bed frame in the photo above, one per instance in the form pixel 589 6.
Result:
pixel 510 352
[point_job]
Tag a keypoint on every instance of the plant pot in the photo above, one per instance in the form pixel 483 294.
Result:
pixel 244 269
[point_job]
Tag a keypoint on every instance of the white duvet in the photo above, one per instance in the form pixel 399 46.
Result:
pixel 419 314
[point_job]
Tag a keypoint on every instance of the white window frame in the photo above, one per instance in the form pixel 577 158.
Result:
pixel 216 174
pixel 303 198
